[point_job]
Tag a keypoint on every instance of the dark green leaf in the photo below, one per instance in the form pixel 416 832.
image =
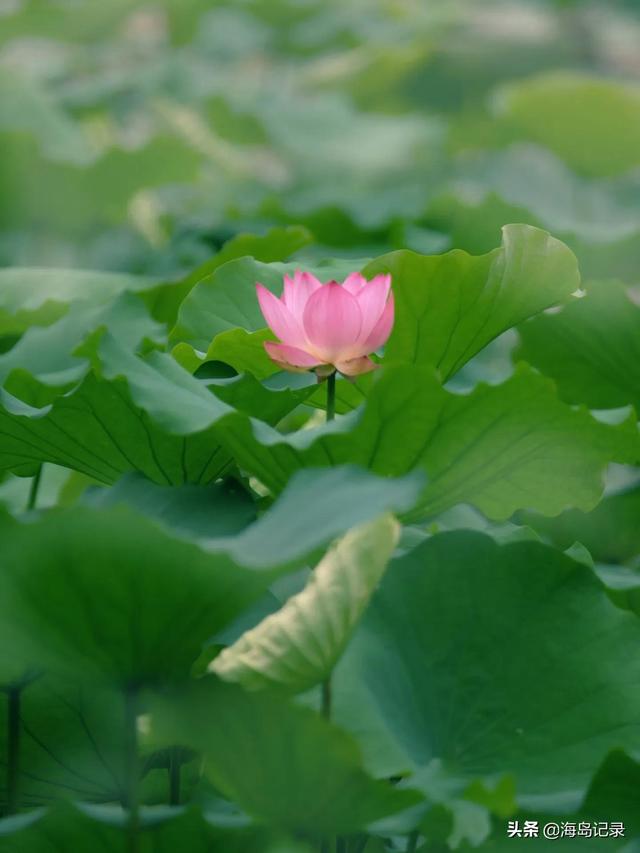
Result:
pixel 493 659
pixel 275 759
pixel 107 595
pixel 500 448
pixel 71 743
pixel 315 507
pixel 227 299
pixel 60 354
pixel 610 532
pixel 100 430
pixel 615 791
pixel 191 512
pixel 40 296
pixel 277 244
pixel 80 829
pixel 591 348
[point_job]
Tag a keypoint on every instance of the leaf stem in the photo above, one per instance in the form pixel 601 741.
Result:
pixel 412 843
pixel 174 776
pixel 13 748
pixel 331 397
pixel 33 491
pixel 326 698
pixel 132 767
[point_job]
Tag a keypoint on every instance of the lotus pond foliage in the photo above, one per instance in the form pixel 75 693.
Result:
pixel 319 441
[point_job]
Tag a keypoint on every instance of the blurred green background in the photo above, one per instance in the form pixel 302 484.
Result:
pixel 141 136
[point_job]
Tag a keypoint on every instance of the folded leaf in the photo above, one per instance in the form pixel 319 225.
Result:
pixel 298 646
pixel 448 307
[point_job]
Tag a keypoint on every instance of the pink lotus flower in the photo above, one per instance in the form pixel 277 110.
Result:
pixel 328 326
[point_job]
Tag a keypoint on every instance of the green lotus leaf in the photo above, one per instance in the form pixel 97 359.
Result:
pixel 106 595
pixel 492 659
pixel 448 307
pixel 591 348
pixel 298 646
pixel 315 507
pixel 274 759
pixel 592 123
pixel 226 299
pixel 278 244
pixel 80 828
pixel 40 296
pixel 500 448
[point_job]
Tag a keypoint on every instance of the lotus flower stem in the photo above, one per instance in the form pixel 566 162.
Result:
pixel 331 411
pixel 326 698
pixel 175 768
pixel 13 747
pixel 33 491
pixel 132 773
pixel 331 397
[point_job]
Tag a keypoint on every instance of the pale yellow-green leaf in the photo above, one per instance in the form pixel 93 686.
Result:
pixel 297 647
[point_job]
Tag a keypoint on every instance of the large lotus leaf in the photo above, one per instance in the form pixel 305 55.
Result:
pixel 277 244
pixel 500 448
pixel 79 829
pixel 101 430
pixel 592 123
pixel 493 659
pixel 532 179
pixel 454 815
pixel 316 506
pixel 591 348
pixel 244 351
pixel 68 200
pixel 40 296
pixel 25 106
pixel 108 595
pixel 350 153
pixel 297 647
pixel 191 512
pixel 281 763
pixel 71 743
pixel 227 298
pixel 610 532
pixel 606 242
pixel 615 790
pixel 448 307
pixel 59 355
pixel 181 404
pixel 623 585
